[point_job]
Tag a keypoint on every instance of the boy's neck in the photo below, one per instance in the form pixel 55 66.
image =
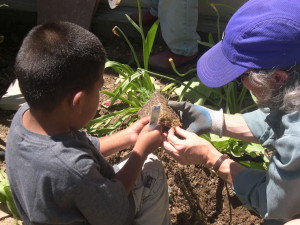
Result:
pixel 46 123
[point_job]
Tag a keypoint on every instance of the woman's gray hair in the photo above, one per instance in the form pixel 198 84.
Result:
pixel 286 97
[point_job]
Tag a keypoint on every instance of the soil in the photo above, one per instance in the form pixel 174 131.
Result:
pixel 197 196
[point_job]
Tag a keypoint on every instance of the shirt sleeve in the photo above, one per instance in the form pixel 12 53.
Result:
pixel 252 194
pixel 250 185
pixel 256 123
pixel 94 140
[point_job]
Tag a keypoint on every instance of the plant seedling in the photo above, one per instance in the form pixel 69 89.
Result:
pixel 166 116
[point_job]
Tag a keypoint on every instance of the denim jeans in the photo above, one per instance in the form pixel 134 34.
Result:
pixel 178 21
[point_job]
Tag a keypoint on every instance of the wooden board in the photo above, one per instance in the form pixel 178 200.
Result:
pixel 80 12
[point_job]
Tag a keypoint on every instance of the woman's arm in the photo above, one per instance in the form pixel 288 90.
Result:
pixel 236 127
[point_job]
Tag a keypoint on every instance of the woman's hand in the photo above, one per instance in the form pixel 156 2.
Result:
pixel 188 148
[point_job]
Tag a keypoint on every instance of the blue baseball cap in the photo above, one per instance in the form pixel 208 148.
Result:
pixel 262 34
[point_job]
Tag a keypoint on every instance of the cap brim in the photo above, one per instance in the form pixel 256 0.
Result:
pixel 215 70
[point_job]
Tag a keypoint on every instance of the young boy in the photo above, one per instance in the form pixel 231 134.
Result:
pixel 58 174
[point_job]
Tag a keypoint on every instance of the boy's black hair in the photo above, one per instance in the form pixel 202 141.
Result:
pixel 57 59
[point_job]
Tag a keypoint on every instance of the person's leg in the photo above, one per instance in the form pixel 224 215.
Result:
pixel 150 193
pixel 152 5
pixel 178 21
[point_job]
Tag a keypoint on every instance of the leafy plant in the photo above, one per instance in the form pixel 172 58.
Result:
pixel 248 154
pixel 131 91
pixel 6 195
pixel 135 86
pixel 232 97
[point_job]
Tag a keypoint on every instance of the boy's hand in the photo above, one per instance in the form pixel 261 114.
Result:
pixel 134 130
pixel 148 141
pixel 188 148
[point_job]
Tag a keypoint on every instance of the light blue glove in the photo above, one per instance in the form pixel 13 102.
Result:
pixel 199 119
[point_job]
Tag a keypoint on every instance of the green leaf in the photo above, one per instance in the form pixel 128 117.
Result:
pixel 216 138
pixel 124 86
pixel 226 6
pixel 10 202
pixel 254 165
pixel 117 30
pixel 134 24
pixel 211 39
pixel 94 125
pixel 151 35
pixel 111 94
pixel 122 69
pixel 198 97
pixel 253 97
pixel 252 147
pixel 2 194
pixel 207 44
pixel 236 151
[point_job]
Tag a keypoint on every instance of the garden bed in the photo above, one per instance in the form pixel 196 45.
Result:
pixel 197 196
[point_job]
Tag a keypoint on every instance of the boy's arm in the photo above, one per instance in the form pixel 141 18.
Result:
pixel 122 139
pixel 115 142
pixel 130 171
pixel 148 141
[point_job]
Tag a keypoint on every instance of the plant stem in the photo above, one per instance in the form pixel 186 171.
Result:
pixel 183 84
pixel 115 31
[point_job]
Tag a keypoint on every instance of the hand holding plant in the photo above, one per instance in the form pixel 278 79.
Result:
pixel 187 147
pixel 148 141
pixel 135 129
pixel 199 119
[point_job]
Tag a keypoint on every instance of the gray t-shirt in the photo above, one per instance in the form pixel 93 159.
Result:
pixel 63 179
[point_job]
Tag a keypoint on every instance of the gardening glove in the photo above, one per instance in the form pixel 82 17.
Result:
pixel 199 119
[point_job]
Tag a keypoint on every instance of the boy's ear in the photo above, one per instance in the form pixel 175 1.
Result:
pixel 76 99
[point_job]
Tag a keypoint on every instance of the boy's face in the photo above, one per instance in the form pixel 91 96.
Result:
pixel 90 103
